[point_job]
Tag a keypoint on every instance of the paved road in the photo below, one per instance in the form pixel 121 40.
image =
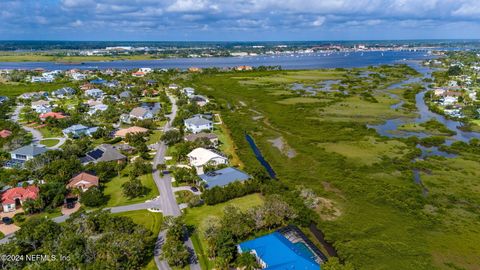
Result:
pixel 37 135
pixel 167 196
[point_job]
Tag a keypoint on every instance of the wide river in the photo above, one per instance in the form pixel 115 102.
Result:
pixel 291 61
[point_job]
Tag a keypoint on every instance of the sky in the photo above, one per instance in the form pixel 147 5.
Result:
pixel 238 20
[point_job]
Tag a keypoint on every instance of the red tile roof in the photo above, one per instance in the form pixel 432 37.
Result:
pixel 30 192
pixel 56 115
pixel 5 133
pixel 83 180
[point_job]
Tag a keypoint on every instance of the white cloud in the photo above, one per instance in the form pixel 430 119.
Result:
pixel 319 21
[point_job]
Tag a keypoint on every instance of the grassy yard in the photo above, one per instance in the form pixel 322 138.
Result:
pixel 50 142
pixel 154 137
pixel 195 217
pixel 113 189
pixel 48 132
pixel 16 89
pixel 227 145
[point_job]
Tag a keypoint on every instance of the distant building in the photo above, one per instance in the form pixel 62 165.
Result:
pixel 5 133
pixel 188 91
pixel 97 108
pixel 223 177
pixel 55 115
pixel 200 100
pixel 64 92
pixel 198 124
pixel 94 93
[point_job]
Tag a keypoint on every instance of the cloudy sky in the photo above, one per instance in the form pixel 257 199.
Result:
pixel 217 20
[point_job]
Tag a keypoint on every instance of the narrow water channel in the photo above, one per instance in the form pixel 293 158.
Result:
pixel 259 156
pixel 390 127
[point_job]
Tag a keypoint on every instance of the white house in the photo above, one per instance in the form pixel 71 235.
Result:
pixel 78 76
pixel 95 93
pixel 97 108
pixel 188 91
pixel 79 130
pixel 198 124
pixel 449 100
pixel 27 152
pixel 200 157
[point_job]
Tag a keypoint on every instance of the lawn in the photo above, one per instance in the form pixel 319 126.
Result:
pixel 16 89
pixel 48 132
pixel 385 221
pixel 113 189
pixel 195 217
pixel 154 137
pixel 227 145
pixel 50 142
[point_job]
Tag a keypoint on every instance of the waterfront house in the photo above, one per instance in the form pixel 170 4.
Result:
pixel 223 177
pixel 188 91
pixel 212 138
pixel 79 130
pixel 198 124
pixel 200 157
pixel 138 74
pixel 15 197
pixel 83 181
pixel 275 251
pixel 199 100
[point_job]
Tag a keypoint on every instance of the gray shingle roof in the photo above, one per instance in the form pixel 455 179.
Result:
pixel 30 150
pixel 197 121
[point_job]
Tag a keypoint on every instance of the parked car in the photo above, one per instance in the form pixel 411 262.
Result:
pixel 7 220
pixel 194 189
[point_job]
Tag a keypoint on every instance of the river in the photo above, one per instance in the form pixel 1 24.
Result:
pixel 390 127
pixel 290 61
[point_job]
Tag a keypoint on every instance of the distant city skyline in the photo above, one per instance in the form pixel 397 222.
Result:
pixel 238 20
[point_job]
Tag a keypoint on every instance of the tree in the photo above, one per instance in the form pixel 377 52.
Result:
pixel 334 264
pixel 133 188
pixel 93 197
pixel 175 252
pixel 247 261
pixel 171 137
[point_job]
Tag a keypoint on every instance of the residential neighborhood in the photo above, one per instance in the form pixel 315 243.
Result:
pixel 111 133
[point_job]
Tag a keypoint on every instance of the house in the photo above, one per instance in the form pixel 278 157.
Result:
pixel 202 136
pixel 275 251
pixel 5 133
pixel 98 81
pixel 94 93
pixel 64 92
pixel 79 130
pixel 197 124
pixel 78 76
pixel 56 115
pixel 145 70
pixel 35 79
pixel 439 92
pixel 223 177
pixel 243 68
pixel 131 130
pixel 43 109
pixel 173 86
pixel 449 100
pixel 194 69
pixel 15 197
pixel 199 100
pixel 188 91
pixel 3 99
pixel 140 113
pixel 103 153
pixel 97 108
pixel 138 74
pixel 125 95
pixel 200 157
pixel 83 181
pixel 40 103
pixel 22 154
pixel 86 86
